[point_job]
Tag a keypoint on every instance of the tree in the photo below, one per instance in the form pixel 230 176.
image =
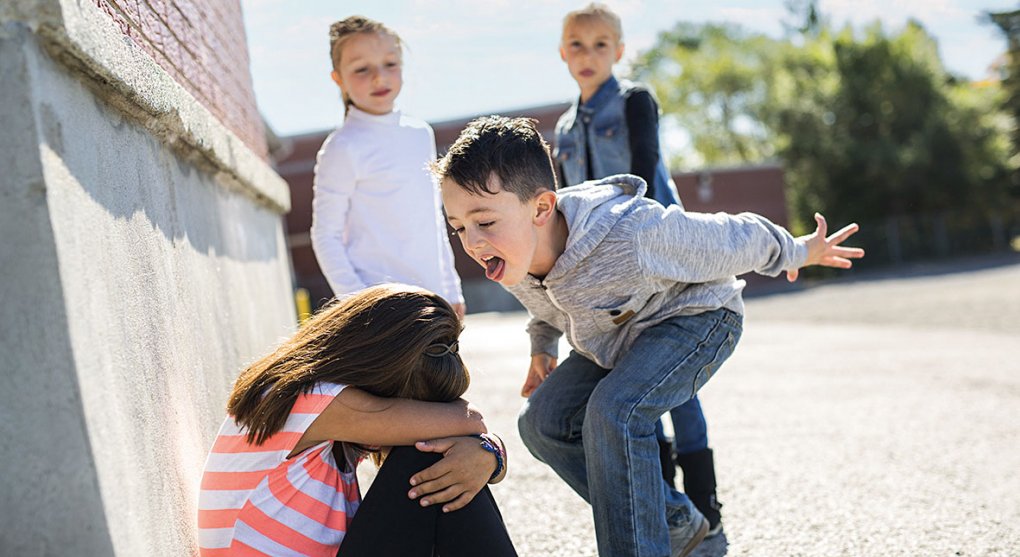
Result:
pixel 868 125
pixel 709 79
pixel 886 132
pixel 1009 24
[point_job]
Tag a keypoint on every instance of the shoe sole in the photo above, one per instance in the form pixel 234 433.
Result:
pixel 713 532
pixel 696 540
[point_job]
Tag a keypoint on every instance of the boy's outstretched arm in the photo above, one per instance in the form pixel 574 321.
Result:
pixel 827 251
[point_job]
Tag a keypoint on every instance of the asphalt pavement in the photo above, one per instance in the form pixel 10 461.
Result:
pixel 873 416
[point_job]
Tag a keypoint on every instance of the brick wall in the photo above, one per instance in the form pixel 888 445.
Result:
pixel 203 46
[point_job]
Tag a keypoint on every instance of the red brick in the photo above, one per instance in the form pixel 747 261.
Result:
pixel 152 27
pixel 190 11
pixel 159 7
pixel 129 9
pixel 203 47
pixel 116 15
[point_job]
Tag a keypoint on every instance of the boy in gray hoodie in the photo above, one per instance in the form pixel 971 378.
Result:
pixel 647 298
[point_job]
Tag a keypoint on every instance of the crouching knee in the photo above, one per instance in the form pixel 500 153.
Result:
pixel 540 428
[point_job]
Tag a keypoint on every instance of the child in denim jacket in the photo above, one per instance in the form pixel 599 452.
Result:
pixel 613 128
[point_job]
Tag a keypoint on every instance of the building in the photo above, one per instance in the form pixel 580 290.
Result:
pixel 753 188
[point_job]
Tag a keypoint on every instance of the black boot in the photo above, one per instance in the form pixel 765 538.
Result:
pixel 666 460
pixel 699 484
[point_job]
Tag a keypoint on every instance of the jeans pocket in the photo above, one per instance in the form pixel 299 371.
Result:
pixel 610 316
pixel 723 351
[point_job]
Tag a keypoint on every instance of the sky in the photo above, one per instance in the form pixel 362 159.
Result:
pixel 470 57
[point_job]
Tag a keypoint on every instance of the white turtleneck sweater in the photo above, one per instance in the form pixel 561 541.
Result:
pixel 376 215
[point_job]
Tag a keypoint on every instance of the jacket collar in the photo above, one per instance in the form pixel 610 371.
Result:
pixel 606 92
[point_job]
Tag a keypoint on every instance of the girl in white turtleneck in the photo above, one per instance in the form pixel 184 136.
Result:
pixel 376 216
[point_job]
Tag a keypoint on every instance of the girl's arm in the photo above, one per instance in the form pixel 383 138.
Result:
pixel 334 183
pixel 356 416
pixel 642 116
pixel 451 280
pixel 460 475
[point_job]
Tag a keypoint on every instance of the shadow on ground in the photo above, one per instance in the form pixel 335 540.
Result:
pixel 713 547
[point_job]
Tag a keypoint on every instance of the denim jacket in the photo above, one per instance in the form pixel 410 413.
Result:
pixel 601 124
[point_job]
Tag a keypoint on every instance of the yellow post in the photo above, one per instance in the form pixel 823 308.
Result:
pixel 303 302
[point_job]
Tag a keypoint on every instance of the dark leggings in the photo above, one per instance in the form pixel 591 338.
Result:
pixel 389 523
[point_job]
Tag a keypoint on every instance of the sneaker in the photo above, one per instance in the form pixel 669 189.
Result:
pixel 683 538
pixel 710 508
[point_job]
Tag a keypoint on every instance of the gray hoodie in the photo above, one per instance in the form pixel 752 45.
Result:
pixel 630 263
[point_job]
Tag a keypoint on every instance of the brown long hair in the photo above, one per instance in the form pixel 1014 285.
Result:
pixel 378 339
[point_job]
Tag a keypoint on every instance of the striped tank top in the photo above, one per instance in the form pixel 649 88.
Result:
pixel 255 501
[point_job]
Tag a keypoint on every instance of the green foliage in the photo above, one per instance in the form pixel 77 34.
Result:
pixel 709 79
pixel 868 124
pixel 1009 24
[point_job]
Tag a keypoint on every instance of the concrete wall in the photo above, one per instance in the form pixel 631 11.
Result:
pixel 142 262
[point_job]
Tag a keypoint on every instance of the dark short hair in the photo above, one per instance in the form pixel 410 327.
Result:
pixel 509 148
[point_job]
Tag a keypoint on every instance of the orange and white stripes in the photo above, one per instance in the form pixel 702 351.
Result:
pixel 253 501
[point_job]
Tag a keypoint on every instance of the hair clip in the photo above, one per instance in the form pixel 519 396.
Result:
pixel 438 350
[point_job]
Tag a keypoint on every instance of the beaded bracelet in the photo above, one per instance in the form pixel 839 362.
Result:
pixel 490 444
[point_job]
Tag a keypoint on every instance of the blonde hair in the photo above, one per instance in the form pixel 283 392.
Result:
pixel 341 31
pixel 596 11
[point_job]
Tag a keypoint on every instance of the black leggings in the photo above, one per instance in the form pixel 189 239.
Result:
pixel 389 523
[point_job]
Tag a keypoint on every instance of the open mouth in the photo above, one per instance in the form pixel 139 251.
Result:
pixel 494 267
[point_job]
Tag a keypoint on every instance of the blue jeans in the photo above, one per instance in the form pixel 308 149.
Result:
pixel 690 432
pixel 596 427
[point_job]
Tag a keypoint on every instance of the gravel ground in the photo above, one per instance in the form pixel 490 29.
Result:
pixel 877 416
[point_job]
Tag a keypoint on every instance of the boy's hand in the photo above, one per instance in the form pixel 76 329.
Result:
pixel 457 478
pixel 827 251
pixel 541 366
pixel 460 310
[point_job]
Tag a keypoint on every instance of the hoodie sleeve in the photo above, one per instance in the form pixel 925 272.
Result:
pixel 545 339
pixel 700 247
pixel 334 183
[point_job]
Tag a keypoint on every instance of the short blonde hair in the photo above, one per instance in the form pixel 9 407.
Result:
pixel 596 11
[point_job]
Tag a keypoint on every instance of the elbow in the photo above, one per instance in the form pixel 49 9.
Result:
pixel 475 421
